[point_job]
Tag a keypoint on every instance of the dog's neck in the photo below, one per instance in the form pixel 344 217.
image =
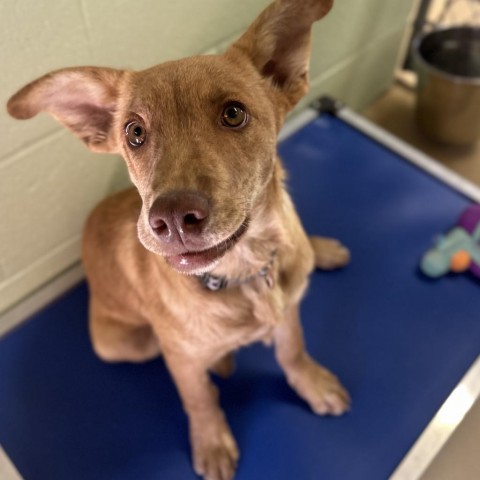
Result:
pixel 264 236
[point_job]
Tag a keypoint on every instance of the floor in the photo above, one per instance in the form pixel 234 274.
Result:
pixel 395 111
pixel 459 457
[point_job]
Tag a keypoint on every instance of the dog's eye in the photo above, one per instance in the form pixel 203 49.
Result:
pixel 234 115
pixel 135 134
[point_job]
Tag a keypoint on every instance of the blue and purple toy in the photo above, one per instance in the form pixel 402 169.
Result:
pixel 458 250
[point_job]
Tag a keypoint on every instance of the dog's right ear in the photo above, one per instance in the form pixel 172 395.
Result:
pixel 84 99
pixel 278 44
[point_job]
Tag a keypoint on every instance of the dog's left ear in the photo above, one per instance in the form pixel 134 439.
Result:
pixel 278 44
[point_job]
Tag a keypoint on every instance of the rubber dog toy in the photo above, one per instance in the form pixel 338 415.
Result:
pixel 458 250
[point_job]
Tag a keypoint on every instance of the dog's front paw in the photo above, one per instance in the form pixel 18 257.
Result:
pixel 329 253
pixel 215 453
pixel 320 389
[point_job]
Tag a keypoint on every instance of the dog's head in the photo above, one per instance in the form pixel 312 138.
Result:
pixel 198 135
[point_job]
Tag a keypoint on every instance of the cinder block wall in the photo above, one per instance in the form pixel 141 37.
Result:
pixel 49 181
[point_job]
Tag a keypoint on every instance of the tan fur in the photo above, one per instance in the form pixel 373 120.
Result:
pixel 140 306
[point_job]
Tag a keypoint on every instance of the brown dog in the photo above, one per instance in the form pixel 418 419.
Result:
pixel 199 139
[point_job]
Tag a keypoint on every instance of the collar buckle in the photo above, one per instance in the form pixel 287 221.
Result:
pixel 213 283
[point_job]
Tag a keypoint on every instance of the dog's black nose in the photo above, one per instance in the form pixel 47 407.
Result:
pixel 179 216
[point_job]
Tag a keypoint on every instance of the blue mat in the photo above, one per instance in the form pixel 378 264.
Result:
pixel 398 341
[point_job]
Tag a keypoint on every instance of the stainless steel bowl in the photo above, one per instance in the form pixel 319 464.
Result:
pixel 448 101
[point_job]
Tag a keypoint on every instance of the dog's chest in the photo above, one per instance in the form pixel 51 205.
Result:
pixel 218 322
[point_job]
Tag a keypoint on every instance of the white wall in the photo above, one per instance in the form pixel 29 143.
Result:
pixel 49 181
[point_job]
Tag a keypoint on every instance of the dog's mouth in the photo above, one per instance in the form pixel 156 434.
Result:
pixel 191 262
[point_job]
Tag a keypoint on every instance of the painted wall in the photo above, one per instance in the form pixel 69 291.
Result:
pixel 49 181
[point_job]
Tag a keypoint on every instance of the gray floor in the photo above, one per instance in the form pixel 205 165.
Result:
pixel 459 459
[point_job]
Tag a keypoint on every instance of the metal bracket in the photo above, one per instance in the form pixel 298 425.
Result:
pixel 326 104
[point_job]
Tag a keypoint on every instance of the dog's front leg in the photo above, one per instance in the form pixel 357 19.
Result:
pixel 214 449
pixel 315 384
